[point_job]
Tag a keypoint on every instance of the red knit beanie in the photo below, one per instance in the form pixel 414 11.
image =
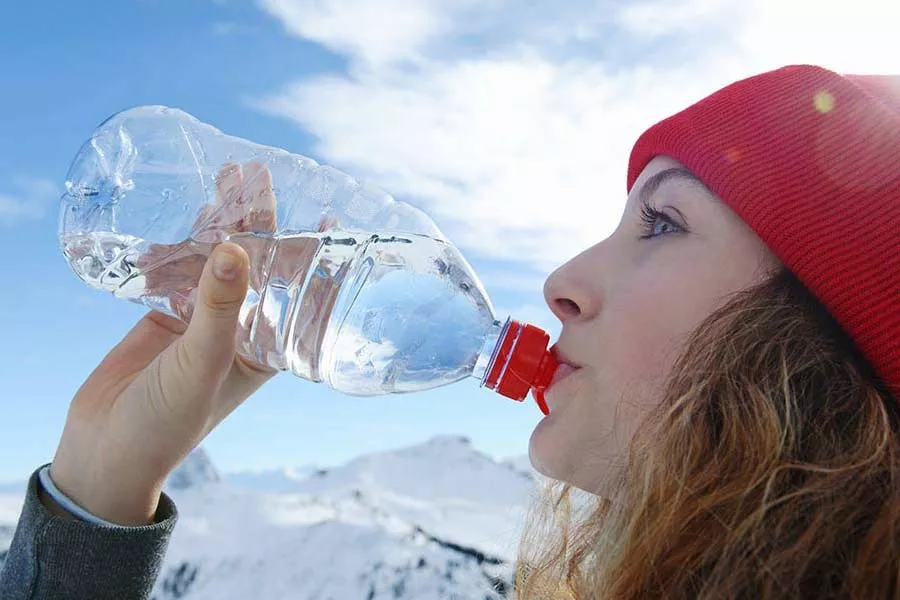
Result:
pixel 810 160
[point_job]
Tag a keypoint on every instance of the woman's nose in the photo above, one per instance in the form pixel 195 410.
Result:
pixel 568 294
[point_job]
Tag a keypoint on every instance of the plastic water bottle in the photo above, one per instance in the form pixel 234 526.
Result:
pixel 347 285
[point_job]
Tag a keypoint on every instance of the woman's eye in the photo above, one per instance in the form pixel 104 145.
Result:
pixel 656 223
pixel 662 226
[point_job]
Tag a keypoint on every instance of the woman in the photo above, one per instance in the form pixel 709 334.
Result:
pixel 748 447
pixel 728 399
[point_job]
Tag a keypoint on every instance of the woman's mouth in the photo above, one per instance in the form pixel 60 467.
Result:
pixel 562 371
pixel 566 367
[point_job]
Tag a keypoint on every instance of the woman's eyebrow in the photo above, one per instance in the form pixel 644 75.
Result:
pixel 649 188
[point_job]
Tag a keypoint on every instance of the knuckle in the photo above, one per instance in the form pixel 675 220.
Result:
pixel 224 305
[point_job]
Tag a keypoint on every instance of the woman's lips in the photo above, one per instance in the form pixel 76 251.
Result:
pixel 562 371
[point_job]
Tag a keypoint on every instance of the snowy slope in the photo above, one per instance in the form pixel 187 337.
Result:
pixel 240 545
pixel 273 480
pixel 437 520
pixel 445 486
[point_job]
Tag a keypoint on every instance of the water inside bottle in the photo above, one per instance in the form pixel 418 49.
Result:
pixel 367 313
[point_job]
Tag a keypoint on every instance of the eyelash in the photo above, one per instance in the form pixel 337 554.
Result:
pixel 650 216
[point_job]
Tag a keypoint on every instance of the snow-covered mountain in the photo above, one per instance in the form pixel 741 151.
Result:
pixel 194 471
pixel 437 520
pixel 269 480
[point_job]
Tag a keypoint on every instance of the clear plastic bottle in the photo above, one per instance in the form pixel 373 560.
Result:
pixel 347 285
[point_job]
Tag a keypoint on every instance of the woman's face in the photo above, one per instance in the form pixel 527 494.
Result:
pixel 627 306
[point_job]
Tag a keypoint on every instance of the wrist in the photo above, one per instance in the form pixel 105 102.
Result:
pixel 115 496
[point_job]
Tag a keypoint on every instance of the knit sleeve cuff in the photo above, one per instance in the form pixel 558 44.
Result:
pixel 58 557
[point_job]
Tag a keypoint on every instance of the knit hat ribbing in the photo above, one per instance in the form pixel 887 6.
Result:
pixel 810 160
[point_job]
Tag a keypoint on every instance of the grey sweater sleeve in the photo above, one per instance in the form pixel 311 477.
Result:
pixel 53 557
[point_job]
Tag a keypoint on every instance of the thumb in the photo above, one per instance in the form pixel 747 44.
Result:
pixel 209 340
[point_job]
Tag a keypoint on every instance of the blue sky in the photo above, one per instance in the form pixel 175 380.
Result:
pixel 510 126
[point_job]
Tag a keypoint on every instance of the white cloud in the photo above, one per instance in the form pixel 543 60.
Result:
pixel 857 37
pixel 512 123
pixel 671 18
pixel 30 200
pixel 376 31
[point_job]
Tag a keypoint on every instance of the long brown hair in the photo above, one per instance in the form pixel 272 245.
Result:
pixel 769 469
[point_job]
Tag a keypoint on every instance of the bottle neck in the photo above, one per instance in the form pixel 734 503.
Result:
pixel 515 361
pixel 489 350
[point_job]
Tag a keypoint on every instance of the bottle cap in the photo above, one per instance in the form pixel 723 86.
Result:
pixel 521 363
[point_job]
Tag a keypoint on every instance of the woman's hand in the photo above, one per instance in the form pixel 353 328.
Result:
pixel 159 392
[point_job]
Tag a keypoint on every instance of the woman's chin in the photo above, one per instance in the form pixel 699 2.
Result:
pixel 557 444
pixel 544 448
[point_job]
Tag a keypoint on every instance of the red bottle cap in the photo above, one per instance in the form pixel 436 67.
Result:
pixel 522 363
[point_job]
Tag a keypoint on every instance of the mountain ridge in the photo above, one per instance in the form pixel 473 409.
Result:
pixel 439 520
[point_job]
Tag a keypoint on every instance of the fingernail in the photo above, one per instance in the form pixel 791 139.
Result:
pixel 225 266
